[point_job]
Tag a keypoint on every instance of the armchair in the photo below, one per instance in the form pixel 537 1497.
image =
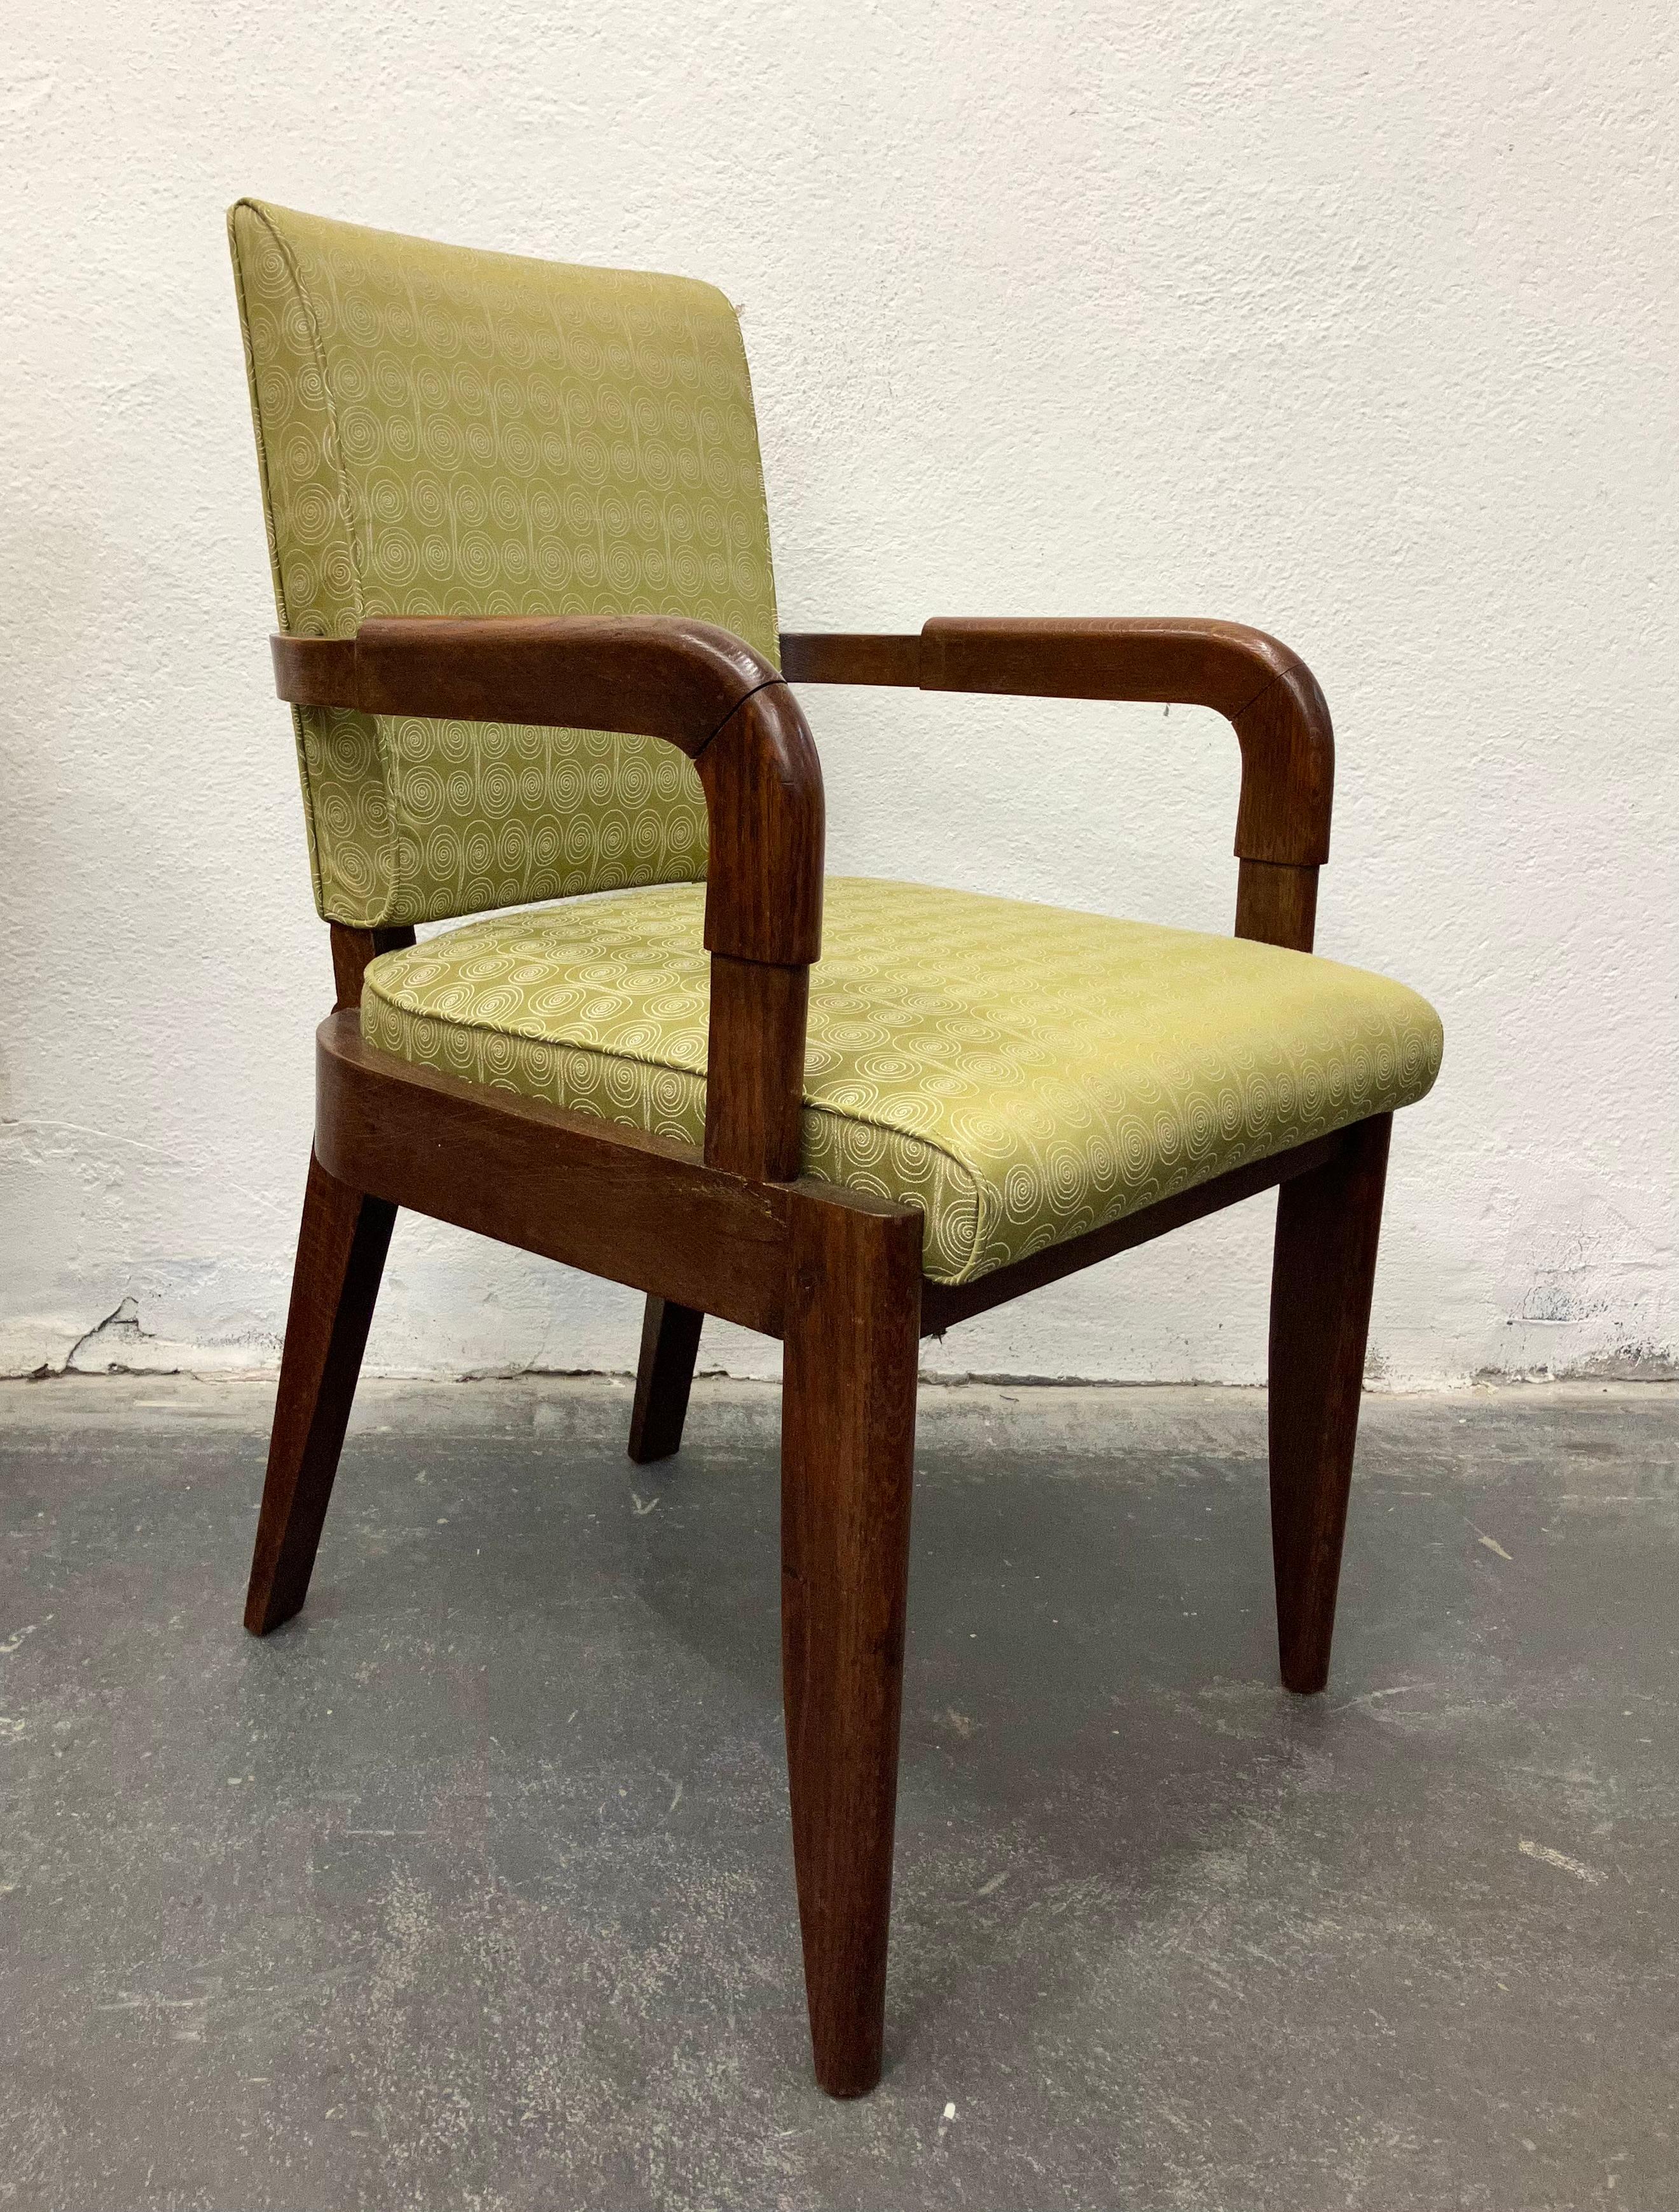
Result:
pixel 483 480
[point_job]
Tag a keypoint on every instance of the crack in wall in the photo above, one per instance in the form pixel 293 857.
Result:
pixel 120 1328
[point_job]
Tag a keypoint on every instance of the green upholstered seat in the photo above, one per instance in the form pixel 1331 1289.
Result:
pixel 1019 1073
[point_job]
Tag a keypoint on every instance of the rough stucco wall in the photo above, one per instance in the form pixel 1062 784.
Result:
pixel 1358 324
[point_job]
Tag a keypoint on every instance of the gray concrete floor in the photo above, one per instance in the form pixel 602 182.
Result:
pixel 473 1887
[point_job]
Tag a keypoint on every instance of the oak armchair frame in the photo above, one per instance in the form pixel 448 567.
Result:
pixel 733 1230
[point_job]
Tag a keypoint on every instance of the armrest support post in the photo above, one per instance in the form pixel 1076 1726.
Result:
pixel 710 694
pixel 352 950
pixel 762 785
pixel 756 1052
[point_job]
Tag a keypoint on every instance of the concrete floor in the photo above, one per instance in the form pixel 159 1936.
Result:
pixel 471 1888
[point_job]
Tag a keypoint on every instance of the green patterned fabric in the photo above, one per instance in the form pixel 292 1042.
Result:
pixel 443 432
pixel 1020 1073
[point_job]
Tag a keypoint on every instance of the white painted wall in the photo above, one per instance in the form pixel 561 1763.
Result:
pixel 1359 324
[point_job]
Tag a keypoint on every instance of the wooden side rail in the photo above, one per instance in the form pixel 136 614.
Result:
pixel 700 688
pixel 646 1211
pixel 1266 692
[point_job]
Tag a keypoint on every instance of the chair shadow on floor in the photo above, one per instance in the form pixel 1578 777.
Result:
pixel 1091 1701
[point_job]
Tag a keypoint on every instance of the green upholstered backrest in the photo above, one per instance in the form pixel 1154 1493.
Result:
pixel 443 432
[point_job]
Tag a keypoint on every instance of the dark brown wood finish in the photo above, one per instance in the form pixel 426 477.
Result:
pixel 704 691
pixel 762 785
pixel 353 952
pixel 700 688
pixel 341 1249
pixel 757 1032
pixel 1329 1223
pixel 635 1209
pixel 1277 904
pixel 663 1376
pixel 848 1445
pixel 851 657
pixel 313 671
pixel 738 1233
pixel 653 674
pixel 1267 693
pixel 944 1305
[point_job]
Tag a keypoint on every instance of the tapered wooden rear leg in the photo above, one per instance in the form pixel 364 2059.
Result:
pixel 847 1444
pixel 1328 1224
pixel 670 1346
pixel 340 1257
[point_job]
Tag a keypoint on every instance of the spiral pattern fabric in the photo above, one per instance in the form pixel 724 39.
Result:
pixel 443 432
pixel 1020 1073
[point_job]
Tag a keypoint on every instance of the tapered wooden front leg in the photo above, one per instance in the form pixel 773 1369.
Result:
pixel 847 1444
pixel 341 1250
pixel 663 1376
pixel 1327 1225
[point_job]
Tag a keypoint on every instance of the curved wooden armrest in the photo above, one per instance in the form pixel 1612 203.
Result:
pixel 698 688
pixel 655 676
pixel 1264 690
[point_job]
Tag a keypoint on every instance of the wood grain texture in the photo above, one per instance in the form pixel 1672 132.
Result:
pixel 634 1208
pixel 1277 905
pixel 756 1039
pixel 352 952
pixel 847 1444
pixel 705 692
pixel 1329 1223
pixel 944 1305
pixel 313 671
pixel 736 1233
pixel 851 657
pixel 664 1377
pixel 1267 693
pixel 341 1249
pixel 657 675
pixel 1166 658
pixel 766 821
pixel 1287 769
